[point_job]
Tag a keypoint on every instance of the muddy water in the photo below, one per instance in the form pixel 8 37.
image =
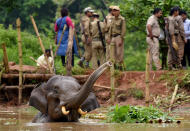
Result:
pixel 19 119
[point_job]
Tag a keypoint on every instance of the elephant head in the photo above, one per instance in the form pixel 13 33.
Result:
pixel 62 98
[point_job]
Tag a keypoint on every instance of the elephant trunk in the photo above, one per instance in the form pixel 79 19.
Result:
pixel 87 87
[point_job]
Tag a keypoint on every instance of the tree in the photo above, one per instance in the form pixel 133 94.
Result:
pixel 42 10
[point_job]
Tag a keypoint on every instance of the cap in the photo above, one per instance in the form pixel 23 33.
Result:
pixel 111 7
pixel 116 8
pixel 92 11
pixel 95 14
pixel 87 9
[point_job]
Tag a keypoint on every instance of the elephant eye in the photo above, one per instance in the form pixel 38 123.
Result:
pixel 55 91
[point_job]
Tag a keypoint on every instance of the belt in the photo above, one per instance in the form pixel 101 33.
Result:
pixel 153 36
pixel 96 39
pixel 115 35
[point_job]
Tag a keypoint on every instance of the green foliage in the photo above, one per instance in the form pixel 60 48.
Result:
pixel 30 45
pixel 136 13
pixel 182 78
pixel 136 93
pixel 42 10
pixel 134 114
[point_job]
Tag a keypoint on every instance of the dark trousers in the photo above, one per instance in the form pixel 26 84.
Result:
pixel 63 59
pixel 186 57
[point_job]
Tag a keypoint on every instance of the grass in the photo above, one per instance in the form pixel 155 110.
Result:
pixel 182 78
pixel 136 93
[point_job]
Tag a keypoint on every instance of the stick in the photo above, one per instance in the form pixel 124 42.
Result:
pixel 69 52
pixel 78 47
pixel 173 97
pixel 106 87
pixel 41 44
pixel 64 28
pixel 5 58
pixel 18 22
pixel 147 93
pixel 53 64
pixel 38 62
pixel 112 70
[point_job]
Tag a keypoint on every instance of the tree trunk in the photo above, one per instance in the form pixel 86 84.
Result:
pixel 5 58
pixel 69 52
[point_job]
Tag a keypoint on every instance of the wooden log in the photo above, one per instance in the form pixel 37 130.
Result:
pixel 17 87
pixel 80 78
pixel 112 71
pixel 69 52
pixel 147 93
pixel 41 44
pixel 59 43
pixel 5 58
pixel 18 22
pixel 106 87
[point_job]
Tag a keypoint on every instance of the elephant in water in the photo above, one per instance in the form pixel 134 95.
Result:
pixel 63 99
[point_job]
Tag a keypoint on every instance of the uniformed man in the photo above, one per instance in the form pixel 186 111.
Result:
pixel 153 33
pixel 86 39
pixel 176 30
pixel 186 22
pixel 107 22
pixel 97 30
pixel 117 33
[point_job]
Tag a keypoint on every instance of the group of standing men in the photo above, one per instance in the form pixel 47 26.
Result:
pixel 98 37
pixel 177 33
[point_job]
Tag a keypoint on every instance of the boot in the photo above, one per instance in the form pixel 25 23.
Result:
pixel 80 63
pixel 87 65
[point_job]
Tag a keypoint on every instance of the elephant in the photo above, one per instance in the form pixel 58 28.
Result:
pixel 63 99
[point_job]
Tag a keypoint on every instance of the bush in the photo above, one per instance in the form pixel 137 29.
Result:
pixel 136 114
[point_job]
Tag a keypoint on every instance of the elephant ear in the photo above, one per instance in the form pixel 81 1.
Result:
pixel 38 98
pixel 90 103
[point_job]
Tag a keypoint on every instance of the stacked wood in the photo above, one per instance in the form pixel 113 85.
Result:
pixel 80 78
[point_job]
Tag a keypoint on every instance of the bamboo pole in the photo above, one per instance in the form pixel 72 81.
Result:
pixel 69 52
pixel 78 47
pixel 18 22
pixel 53 62
pixel 147 93
pixel 173 97
pixel 112 71
pixel 64 28
pixel 41 44
pixel 5 58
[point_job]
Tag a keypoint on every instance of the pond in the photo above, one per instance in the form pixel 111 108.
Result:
pixel 19 119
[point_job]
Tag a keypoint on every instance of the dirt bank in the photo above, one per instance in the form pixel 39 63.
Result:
pixel 130 89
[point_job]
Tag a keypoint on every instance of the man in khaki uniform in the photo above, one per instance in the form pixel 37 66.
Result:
pixel 117 33
pixel 107 22
pixel 86 39
pixel 97 45
pixel 153 33
pixel 177 33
